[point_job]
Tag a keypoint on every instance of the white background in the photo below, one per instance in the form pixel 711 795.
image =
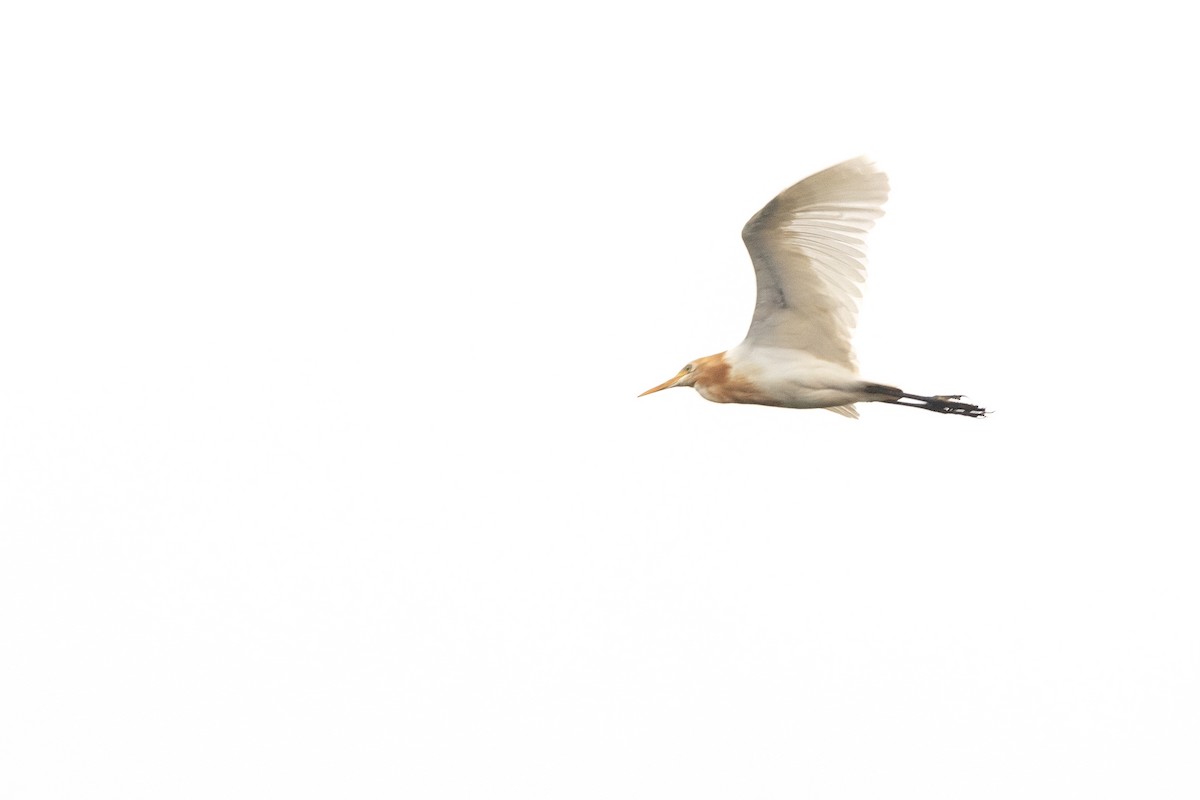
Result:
pixel 322 472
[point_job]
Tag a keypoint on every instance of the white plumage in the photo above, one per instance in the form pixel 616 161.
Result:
pixel 808 248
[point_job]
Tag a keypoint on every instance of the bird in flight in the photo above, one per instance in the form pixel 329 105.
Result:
pixel 807 249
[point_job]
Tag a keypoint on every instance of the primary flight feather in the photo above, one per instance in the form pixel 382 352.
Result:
pixel 807 246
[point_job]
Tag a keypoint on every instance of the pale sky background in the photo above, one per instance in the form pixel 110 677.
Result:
pixel 322 472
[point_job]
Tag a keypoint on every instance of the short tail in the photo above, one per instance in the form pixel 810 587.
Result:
pixel 941 403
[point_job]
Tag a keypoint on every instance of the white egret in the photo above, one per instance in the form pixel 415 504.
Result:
pixel 807 249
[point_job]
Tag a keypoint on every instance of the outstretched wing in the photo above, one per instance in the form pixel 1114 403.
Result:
pixel 808 254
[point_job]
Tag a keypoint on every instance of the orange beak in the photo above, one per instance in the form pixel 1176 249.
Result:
pixel 666 385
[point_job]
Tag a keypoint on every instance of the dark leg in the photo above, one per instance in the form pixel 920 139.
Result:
pixel 941 403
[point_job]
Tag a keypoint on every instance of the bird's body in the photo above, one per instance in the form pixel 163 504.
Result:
pixel 773 376
pixel 807 249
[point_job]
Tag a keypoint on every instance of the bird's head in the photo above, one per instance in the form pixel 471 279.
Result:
pixel 700 370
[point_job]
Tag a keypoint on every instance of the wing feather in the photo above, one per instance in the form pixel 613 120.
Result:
pixel 808 249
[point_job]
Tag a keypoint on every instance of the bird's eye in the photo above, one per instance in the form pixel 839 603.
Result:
pixel 689 368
